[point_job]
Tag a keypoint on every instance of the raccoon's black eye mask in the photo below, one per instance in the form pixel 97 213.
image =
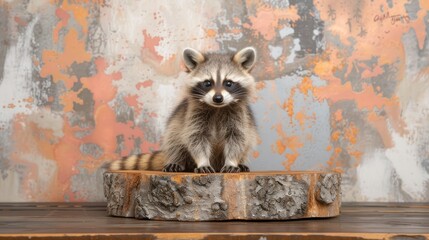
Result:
pixel 207 84
pixel 199 90
pixel 228 83
pixel 235 89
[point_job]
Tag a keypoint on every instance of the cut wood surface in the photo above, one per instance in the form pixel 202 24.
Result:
pixel 217 197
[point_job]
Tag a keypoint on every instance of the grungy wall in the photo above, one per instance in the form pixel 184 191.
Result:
pixel 342 85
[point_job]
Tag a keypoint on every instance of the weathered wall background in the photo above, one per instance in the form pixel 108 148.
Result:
pixel 342 85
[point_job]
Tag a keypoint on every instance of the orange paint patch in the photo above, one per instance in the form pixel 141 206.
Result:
pixel 351 133
pixel 77 9
pixel 260 85
pixel 334 162
pixel 38 142
pixel 150 43
pixel 378 35
pixel 366 99
pixel 29 100
pixel 280 147
pixel 210 33
pixel 68 99
pixel 20 21
pixel 394 113
pixel 133 102
pixel 101 83
pixel 338 115
pixel 64 19
pixel 107 129
pixel 269 69
pixel 327 63
pixel 300 117
pixel 67 154
pixel 255 154
pixel 236 20
pixel 369 73
pixel 287 142
pixel 266 20
pixel 291 158
pixel 335 136
pixel 288 105
pixel 80 14
pixel 98 2
pixel 338 150
pixel 24 139
pixel 306 85
pixel 144 84
pixel 56 64
pixel 44 141
pixel 294 143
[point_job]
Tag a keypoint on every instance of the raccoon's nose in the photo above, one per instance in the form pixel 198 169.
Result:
pixel 218 98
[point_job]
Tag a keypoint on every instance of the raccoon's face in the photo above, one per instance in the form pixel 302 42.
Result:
pixel 220 79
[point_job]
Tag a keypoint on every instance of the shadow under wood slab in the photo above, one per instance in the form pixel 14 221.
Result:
pixel 217 197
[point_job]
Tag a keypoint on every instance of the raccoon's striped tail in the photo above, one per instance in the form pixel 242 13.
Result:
pixel 147 161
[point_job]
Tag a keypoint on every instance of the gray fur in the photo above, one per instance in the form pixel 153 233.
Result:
pixel 204 136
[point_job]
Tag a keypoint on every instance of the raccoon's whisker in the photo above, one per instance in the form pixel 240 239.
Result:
pixel 240 93
pixel 197 96
pixel 241 90
pixel 198 92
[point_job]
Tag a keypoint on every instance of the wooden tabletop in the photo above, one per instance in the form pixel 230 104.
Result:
pixel 89 221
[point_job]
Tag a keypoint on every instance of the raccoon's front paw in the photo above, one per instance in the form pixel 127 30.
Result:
pixel 230 169
pixel 243 168
pixel 173 167
pixel 204 169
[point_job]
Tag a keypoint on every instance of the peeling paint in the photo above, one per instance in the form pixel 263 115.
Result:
pixel 341 85
pixel 17 75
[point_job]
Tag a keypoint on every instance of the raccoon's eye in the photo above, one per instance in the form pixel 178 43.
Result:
pixel 228 83
pixel 207 83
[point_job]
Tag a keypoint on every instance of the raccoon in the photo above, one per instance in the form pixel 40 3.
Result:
pixel 213 128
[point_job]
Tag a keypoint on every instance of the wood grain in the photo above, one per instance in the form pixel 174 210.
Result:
pixel 220 197
pixel 90 221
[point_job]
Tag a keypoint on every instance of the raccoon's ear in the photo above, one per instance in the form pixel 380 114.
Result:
pixel 246 58
pixel 192 58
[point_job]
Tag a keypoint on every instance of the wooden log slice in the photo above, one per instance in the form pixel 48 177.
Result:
pixel 216 197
